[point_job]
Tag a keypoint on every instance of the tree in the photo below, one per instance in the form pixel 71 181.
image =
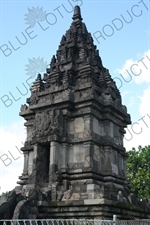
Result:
pixel 5 194
pixel 138 171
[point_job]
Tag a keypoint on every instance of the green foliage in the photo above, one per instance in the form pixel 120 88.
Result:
pixel 5 194
pixel 138 171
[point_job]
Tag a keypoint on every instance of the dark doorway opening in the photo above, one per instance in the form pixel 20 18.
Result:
pixel 43 160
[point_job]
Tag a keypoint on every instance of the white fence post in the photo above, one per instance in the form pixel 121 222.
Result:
pixel 114 219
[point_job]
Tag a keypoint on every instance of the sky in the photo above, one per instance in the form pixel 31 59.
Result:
pixel 30 33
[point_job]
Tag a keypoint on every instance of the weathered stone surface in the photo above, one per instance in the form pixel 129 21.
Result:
pixel 74 158
pixel 67 195
pixel 22 210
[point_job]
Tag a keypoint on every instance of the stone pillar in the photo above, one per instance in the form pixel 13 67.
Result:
pixel 91 123
pixel 107 166
pixel 53 158
pixel 88 158
pixel 35 160
pixel 25 169
pixel 86 123
pixel 53 192
pixel 30 162
pixel 63 157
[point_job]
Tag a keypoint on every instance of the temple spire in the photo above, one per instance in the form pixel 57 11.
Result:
pixel 77 13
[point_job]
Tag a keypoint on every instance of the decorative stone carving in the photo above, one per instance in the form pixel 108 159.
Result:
pixel 57 123
pixel 75 196
pixel 99 193
pixel 38 85
pixel 22 210
pixel 23 108
pixel 55 177
pixel 53 192
pixel 67 195
pixel 47 123
pixel 43 123
pixel 59 195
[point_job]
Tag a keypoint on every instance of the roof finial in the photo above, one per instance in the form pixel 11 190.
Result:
pixel 77 13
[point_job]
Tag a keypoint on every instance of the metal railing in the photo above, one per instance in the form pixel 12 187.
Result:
pixel 74 222
pixel 56 222
pixel 133 222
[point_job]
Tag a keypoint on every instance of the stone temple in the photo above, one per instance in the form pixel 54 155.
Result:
pixel 74 158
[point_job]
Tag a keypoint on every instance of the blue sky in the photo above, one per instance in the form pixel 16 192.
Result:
pixel 122 46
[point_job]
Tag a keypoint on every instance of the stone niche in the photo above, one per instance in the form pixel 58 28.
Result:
pixel 99 127
pixel 79 125
pixel 76 157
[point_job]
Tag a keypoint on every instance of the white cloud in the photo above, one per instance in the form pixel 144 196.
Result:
pixel 11 158
pixel 125 93
pixel 9 178
pixel 131 102
pixel 139 131
pixel 125 71
pixel 145 102
pixel 137 71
